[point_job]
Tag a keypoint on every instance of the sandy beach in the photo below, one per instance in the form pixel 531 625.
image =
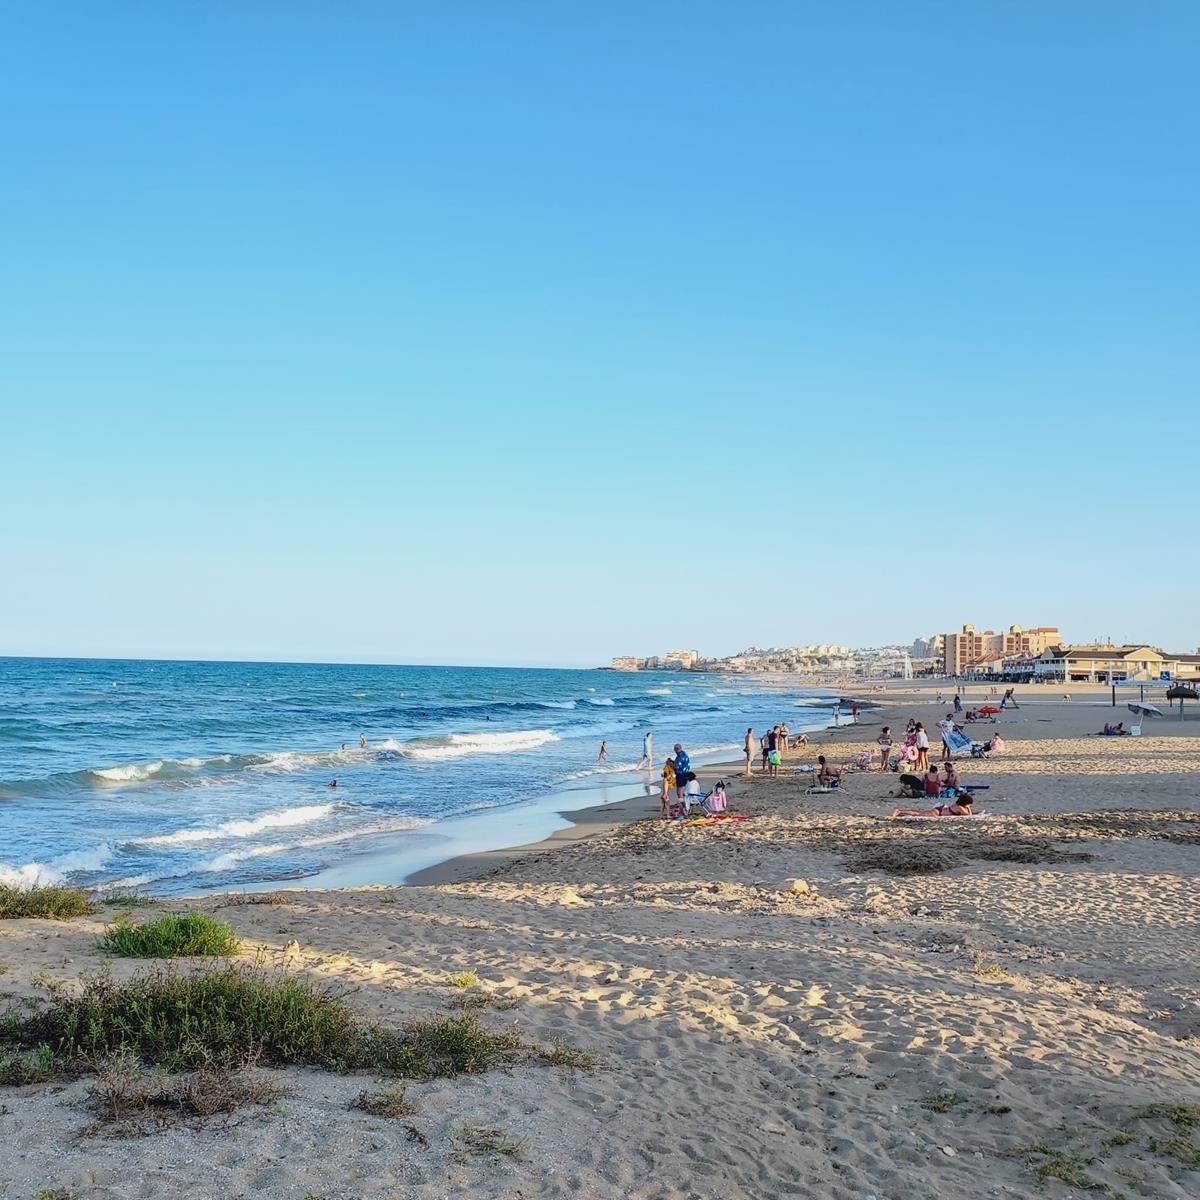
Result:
pixel 816 1002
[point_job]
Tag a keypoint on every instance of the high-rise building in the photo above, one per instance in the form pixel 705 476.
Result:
pixel 966 647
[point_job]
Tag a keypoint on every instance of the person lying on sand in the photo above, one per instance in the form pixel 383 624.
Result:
pixel 958 808
pixel 1117 730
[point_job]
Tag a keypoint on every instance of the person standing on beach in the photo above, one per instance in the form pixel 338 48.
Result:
pixel 683 765
pixel 854 710
pixel 647 750
pixel 837 713
pixel 885 747
pixel 668 782
pixel 922 747
pixel 749 746
pixel 603 755
pixel 785 736
pixel 957 702
pixel 946 725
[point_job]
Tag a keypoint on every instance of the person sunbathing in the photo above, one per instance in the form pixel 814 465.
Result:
pixel 1117 730
pixel 961 807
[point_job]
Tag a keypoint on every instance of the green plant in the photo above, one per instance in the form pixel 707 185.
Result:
pixel 464 980
pixel 491 1144
pixel 225 1016
pixel 127 900
pixel 53 901
pixel 559 1054
pixel 1068 1169
pixel 1183 1149
pixel 173 935
pixel 1185 1116
pixel 45 1193
pixel 942 1102
pixel 386 1102
pixel 1122 1137
pixel 28 1066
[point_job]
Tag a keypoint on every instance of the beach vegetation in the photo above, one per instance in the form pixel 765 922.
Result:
pixel 52 901
pixel 464 980
pixel 227 1016
pixel 45 1193
pixel 271 899
pixel 493 1145
pixel 23 1067
pixel 386 1101
pixel 1068 1169
pixel 943 1101
pixel 173 935
pixel 1185 1116
pixel 128 1100
pixel 1182 1149
pixel 1121 1137
pixel 560 1054
pixel 133 899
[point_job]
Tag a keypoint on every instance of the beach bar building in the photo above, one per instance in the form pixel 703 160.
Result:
pixel 1100 663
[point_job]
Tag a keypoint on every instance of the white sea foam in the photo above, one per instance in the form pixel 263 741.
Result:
pixel 31 874
pixel 602 701
pixel 280 819
pixel 658 691
pixel 459 745
pixel 128 772
pixel 557 703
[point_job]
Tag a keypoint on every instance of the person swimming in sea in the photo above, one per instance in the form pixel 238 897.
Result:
pixel 362 741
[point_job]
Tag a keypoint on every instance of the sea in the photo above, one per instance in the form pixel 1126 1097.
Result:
pixel 182 778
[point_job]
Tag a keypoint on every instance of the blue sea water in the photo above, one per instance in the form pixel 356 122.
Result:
pixel 178 777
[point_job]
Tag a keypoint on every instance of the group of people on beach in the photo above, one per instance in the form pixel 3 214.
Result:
pixel 772 746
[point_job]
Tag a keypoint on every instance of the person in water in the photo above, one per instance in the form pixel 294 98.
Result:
pixel 332 783
pixel 603 755
pixel 362 741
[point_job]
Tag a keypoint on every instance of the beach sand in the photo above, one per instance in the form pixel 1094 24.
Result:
pixel 948 1009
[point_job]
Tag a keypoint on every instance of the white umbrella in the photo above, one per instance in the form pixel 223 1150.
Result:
pixel 1149 710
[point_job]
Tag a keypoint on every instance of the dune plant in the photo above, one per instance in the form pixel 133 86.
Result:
pixel 54 901
pixel 173 935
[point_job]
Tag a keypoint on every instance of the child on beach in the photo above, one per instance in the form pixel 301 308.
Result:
pixel 922 741
pixel 668 785
pixel 716 800
pixel 691 792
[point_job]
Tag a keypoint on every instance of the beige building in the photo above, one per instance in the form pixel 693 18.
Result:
pixel 968 646
pixel 1100 663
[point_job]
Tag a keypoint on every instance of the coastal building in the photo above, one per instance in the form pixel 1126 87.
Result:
pixel 1103 663
pixel 967 647
pixel 684 660
pixel 625 662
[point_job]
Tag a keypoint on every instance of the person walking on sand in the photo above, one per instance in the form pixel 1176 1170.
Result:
pixel 603 755
pixel 854 710
pixel 922 748
pixel 957 702
pixel 647 750
pixel 749 746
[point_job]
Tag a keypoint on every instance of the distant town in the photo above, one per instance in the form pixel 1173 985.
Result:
pixel 1037 654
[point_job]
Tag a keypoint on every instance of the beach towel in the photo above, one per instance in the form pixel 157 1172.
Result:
pixel 956 741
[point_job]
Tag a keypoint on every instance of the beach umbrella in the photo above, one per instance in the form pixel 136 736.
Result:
pixel 1148 710
pixel 988 708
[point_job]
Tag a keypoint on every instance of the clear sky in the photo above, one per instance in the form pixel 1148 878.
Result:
pixel 535 333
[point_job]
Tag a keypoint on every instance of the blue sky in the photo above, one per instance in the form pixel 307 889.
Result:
pixel 530 333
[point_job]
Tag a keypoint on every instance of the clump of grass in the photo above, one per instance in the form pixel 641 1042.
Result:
pixel 1068 1169
pixel 272 899
pixel 464 980
pixel 987 968
pixel 226 1016
pixel 1185 1116
pixel 1121 1137
pixel 53 901
pixel 45 1193
pixel 471 1141
pixel 1183 1149
pixel 173 935
pixel 126 1100
pixel 386 1102
pixel 942 1102
pixel 997 1110
pixel 127 899
pixel 560 1054
pixel 26 1066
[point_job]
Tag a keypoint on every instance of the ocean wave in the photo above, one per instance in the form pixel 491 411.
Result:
pixel 127 772
pixel 600 701
pixel 658 691
pixel 555 704
pixel 33 874
pixel 459 745
pixel 304 814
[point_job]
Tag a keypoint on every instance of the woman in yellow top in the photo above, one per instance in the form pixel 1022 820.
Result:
pixel 668 785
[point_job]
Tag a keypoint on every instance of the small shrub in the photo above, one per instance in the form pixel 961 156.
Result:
pixel 464 980
pixel 224 1017
pixel 45 1193
pixel 559 1054
pixel 1185 1116
pixel 128 1101
pixel 386 1102
pixel 491 1144
pixel 53 901
pixel 1121 1138
pixel 26 1067
pixel 173 935
pixel 1068 1169
pixel 1183 1149
pixel 127 900
pixel 942 1102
